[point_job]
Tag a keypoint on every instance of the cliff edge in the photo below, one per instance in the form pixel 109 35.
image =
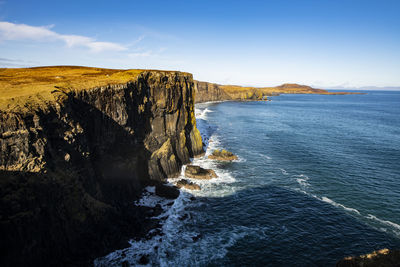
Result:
pixel 77 147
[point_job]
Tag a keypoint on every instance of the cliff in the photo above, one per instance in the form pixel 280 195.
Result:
pixel 214 92
pixel 77 147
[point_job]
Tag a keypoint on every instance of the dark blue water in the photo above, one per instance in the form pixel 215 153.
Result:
pixel 318 178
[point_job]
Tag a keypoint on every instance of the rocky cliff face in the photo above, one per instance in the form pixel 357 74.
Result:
pixel 70 168
pixel 209 92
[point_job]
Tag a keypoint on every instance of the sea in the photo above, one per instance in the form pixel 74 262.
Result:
pixel 317 179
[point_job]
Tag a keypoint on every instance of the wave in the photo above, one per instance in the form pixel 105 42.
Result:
pixel 302 180
pixel 388 223
pixel 216 187
pixel 202 113
pixel 284 172
pixel 393 228
pixel 330 201
pixel 265 156
pixel 153 246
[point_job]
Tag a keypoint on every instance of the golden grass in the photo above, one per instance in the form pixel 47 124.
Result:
pixel 289 88
pixel 22 86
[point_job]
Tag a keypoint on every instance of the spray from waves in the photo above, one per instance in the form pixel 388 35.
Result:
pixel 222 186
pixel 153 246
pixel 202 113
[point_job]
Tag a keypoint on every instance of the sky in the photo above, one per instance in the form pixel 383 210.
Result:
pixel 324 43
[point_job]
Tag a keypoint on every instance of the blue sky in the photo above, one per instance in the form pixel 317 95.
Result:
pixel 322 43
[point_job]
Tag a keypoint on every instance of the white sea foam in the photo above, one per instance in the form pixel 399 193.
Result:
pixel 151 246
pixel 265 156
pixel 150 199
pixel 216 187
pixel 202 113
pixel 389 226
pixel 388 223
pixel 302 180
pixel 330 201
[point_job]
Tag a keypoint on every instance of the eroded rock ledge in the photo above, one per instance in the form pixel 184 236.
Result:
pixel 73 162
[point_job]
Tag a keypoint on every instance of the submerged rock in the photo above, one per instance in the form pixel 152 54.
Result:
pixel 197 172
pixel 223 154
pixel 187 184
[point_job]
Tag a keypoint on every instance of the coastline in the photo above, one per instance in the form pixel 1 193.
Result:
pixel 179 213
pixel 171 213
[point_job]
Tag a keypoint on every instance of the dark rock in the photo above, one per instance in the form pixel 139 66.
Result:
pixel 144 260
pixel 187 184
pixel 196 172
pixel 184 217
pixel 197 237
pixel 170 192
pixel 125 264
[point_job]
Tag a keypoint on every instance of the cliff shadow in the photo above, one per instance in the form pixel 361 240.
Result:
pixel 81 205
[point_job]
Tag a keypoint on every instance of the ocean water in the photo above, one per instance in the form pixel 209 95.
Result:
pixel 318 178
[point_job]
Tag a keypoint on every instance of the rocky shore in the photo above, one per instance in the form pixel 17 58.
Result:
pixel 381 258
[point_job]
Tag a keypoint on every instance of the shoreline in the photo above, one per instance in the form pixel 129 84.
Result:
pixel 189 195
pixel 143 250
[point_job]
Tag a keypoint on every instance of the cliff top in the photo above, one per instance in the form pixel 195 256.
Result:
pixel 19 86
pixel 288 88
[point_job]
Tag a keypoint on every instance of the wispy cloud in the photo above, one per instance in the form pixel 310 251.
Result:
pixel 8 62
pixel 10 32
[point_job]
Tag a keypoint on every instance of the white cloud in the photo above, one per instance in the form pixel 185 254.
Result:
pixel 10 31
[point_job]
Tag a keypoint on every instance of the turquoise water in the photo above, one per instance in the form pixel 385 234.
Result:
pixel 317 179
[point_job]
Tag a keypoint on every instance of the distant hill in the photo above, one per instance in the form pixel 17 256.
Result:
pixel 214 92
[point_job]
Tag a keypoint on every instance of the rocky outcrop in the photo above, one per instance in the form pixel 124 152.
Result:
pixel 222 155
pixel 73 162
pixel 187 184
pixel 209 92
pixel 197 172
pixel 383 257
